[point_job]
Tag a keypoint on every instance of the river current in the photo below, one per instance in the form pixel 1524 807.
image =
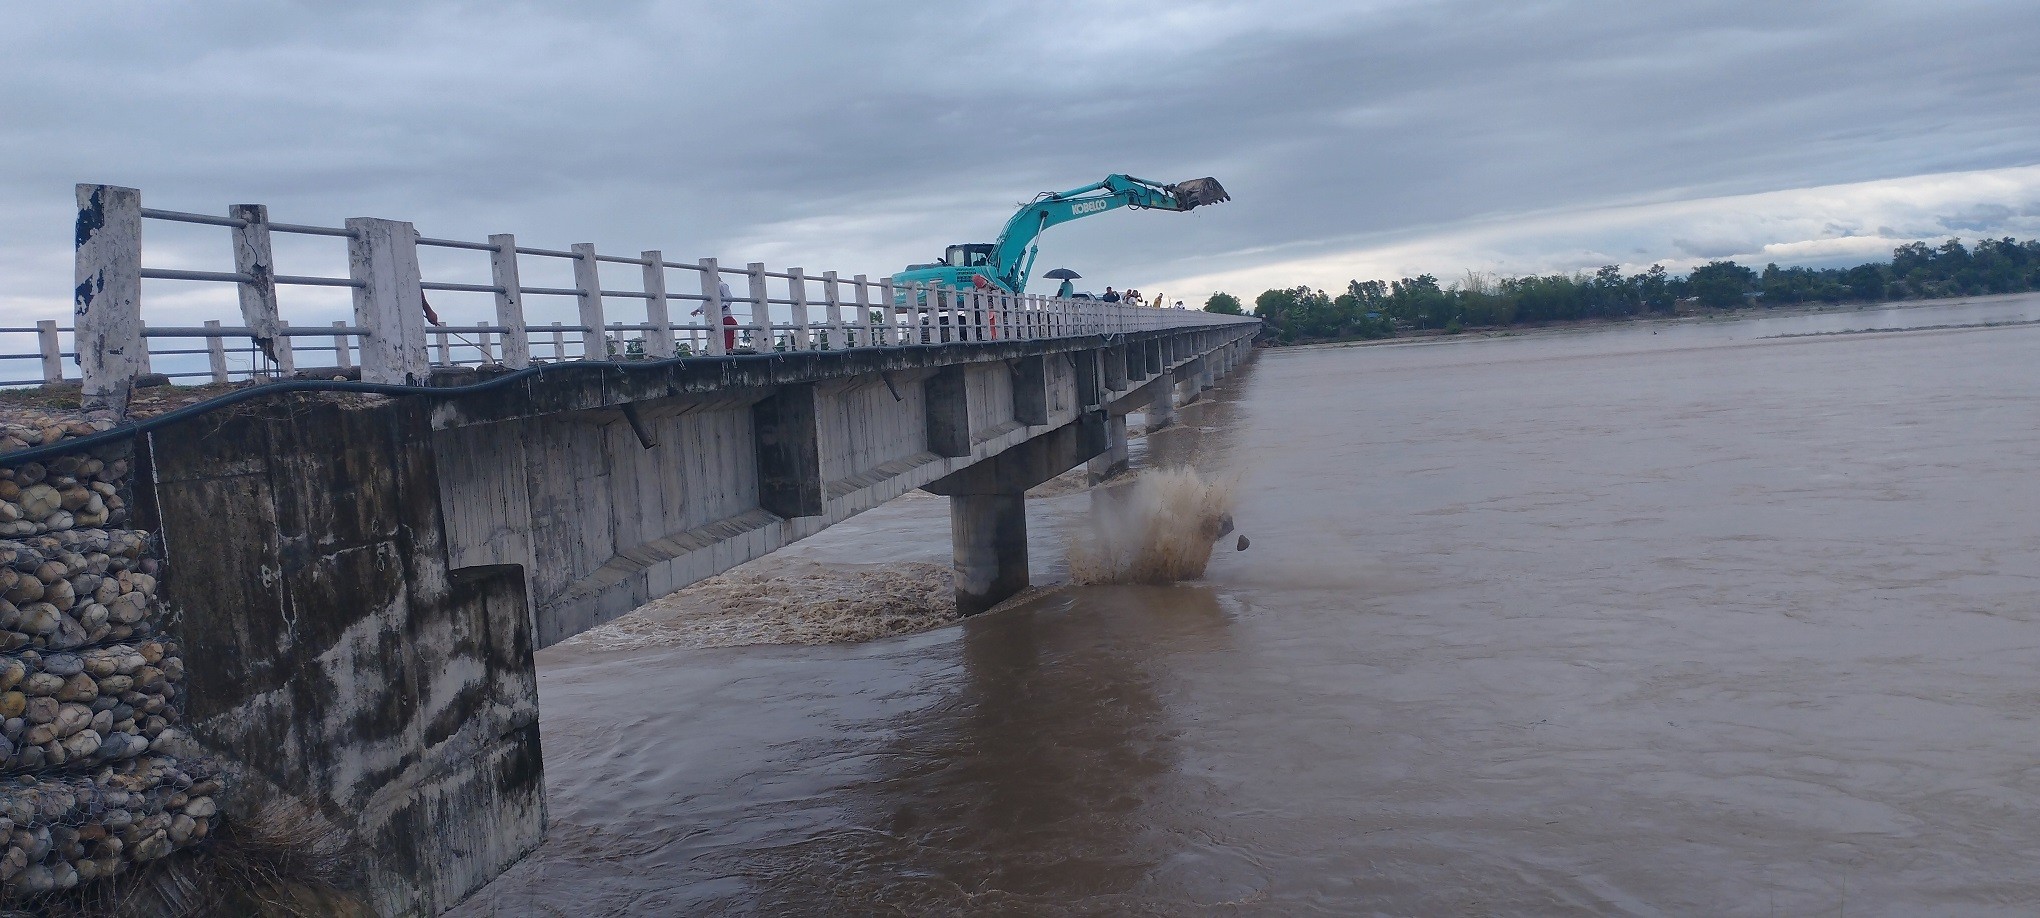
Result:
pixel 1656 619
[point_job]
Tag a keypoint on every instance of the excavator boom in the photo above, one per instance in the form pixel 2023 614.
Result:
pixel 1007 263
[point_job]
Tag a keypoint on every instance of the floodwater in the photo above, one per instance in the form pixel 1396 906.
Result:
pixel 1700 622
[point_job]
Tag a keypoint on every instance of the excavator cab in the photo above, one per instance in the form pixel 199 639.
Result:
pixel 1197 192
pixel 968 255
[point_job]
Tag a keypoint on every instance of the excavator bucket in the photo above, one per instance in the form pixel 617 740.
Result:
pixel 1198 192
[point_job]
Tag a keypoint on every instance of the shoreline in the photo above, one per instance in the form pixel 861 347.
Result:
pixel 1489 332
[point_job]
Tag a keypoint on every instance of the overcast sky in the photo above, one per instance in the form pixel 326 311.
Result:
pixel 1358 139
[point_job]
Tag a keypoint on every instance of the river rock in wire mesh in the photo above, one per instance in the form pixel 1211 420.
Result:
pixel 68 589
pixel 69 492
pixel 65 830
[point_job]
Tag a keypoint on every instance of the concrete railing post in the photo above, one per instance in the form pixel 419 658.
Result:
pixel 761 307
pixel 343 357
pixel 216 351
pixel 874 331
pixel 832 310
pixel 713 309
pixel 107 300
pixel 796 291
pixel 510 301
pixel 389 306
pixel 658 341
pixel 286 359
pixel 918 300
pixel 52 349
pixel 588 280
pixel 252 257
pixel 890 313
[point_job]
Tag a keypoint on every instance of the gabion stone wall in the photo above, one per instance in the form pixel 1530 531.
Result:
pixel 95 777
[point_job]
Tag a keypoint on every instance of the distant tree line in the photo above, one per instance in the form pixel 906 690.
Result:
pixel 1376 309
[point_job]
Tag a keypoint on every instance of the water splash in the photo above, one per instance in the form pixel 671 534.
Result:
pixel 1157 529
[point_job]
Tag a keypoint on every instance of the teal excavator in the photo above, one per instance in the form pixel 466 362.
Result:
pixel 1006 264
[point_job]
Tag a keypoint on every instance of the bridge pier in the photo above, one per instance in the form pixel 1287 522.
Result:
pixel 1113 460
pixel 1161 411
pixel 990 536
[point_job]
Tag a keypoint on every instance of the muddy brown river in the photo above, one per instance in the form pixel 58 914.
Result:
pixel 1679 619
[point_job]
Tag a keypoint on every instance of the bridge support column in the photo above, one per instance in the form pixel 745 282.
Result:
pixel 1161 411
pixel 988 508
pixel 1113 459
pixel 990 532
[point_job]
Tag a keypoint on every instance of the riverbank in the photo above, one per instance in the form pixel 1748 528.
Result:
pixel 1658 321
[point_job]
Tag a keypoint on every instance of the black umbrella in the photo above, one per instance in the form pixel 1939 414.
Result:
pixel 1063 274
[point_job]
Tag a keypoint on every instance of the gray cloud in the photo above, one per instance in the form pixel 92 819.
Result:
pixel 1714 248
pixel 1979 217
pixel 862 136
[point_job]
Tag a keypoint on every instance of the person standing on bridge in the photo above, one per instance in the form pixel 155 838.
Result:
pixel 729 322
pixel 1110 296
pixel 1063 292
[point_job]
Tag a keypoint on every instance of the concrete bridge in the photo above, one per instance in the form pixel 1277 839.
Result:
pixel 360 570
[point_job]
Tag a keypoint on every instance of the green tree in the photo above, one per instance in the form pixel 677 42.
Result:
pixel 1866 282
pixel 1224 304
pixel 1654 289
pixel 1421 302
pixel 1722 284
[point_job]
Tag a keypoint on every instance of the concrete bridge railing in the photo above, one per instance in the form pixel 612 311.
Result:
pixel 646 307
